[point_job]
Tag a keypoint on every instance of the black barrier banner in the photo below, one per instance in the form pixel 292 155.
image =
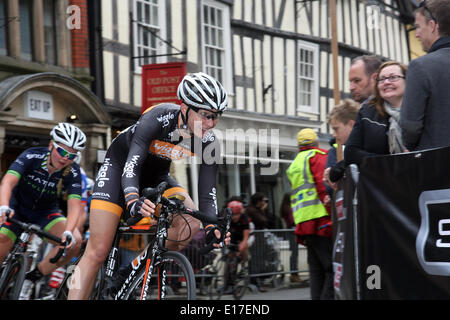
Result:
pixel 403 225
pixel 343 246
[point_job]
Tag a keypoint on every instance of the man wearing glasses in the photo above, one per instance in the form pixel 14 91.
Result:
pixel 425 111
pixel 30 190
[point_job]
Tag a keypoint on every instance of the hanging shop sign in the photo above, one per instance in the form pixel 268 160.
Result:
pixel 160 83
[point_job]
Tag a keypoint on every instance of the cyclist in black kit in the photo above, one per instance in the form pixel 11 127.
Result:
pixel 140 157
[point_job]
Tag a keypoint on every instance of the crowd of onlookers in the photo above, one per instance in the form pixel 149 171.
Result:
pixel 394 109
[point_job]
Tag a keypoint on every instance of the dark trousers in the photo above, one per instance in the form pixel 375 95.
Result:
pixel 293 246
pixel 319 251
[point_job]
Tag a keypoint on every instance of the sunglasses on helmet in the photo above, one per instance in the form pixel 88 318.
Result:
pixel 64 153
pixel 423 5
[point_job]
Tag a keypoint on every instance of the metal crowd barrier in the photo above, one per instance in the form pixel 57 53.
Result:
pixel 272 252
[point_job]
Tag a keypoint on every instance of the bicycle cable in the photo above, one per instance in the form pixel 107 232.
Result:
pixel 187 223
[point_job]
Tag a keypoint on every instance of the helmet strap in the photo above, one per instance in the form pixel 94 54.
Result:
pixel 50 163
pixel 185 119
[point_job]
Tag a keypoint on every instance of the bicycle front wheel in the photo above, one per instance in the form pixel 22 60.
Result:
pixel 172 278
pixel 12 278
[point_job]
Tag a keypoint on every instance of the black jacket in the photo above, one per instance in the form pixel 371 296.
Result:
pixel 425 111
pixel 368 137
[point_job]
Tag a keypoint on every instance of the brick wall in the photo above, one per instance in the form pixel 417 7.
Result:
pixel 80 37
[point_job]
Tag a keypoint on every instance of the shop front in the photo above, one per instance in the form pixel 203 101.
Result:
pixel 31 105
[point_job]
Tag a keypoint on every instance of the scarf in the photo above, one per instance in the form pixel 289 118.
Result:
pixel 395 132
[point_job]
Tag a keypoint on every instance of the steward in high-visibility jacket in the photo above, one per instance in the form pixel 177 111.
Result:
pixel 305 174
pixel 305 201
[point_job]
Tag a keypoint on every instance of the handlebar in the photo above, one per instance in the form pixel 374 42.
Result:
pixel 155 195
pixel 152 194
pixel 41 233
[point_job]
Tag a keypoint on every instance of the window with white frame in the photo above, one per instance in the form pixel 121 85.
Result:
pixel 148 31
pixel 216 41
pixel 307 77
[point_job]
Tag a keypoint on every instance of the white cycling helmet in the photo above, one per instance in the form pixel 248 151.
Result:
pixel 199 90
pixel 69 135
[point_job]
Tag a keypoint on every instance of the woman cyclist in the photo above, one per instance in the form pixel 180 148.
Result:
pixel 29 190
pixel 140 157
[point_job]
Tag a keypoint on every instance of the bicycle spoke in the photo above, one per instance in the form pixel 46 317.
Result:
pixel 172 278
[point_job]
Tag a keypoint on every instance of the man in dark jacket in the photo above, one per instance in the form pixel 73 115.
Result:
pixel 425 112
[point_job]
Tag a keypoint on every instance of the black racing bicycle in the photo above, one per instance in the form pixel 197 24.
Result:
pixel 19 259
pixel 156 273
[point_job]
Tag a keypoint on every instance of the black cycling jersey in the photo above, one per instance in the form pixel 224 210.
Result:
pixel 140 156
pixel 237 229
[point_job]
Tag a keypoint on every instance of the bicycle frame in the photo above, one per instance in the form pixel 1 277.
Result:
pixel 150 255
pixel 19 248
pixel 154 253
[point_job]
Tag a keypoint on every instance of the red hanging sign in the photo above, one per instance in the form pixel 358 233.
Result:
pixel 160 83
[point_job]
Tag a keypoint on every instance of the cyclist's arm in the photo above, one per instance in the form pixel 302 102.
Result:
pixel 244 243
pixel 12 177
pixel 207 192
pixel 73 213
pixel 72 184
pixel 9 181
pixel 147 129
pixel 245 235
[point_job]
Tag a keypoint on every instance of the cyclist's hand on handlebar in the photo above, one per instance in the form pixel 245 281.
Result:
pixel 3 211
pixel 227 238
pixel 216 236
pixel 69 239
pixel 142 206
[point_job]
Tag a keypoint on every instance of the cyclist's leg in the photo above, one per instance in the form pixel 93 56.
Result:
pixel 183 228
pixel 104 217
pixel 102 226
pixel 8 235
pixel 5 246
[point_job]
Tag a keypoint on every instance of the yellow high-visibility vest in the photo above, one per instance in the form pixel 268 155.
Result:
pixel 305 201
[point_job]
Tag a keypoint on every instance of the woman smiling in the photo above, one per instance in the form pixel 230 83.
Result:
pixel 376 130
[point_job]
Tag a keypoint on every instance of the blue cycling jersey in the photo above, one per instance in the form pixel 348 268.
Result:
pixel 37 188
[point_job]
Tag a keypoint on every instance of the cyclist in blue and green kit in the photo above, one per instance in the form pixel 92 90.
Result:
pixel 29 191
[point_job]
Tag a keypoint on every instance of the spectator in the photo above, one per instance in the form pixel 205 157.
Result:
pixel 425 114
pixel 341 119
pixel 256 210
pixel 376 130
pixel 312 218
pixel 362 76
pixel 286 214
